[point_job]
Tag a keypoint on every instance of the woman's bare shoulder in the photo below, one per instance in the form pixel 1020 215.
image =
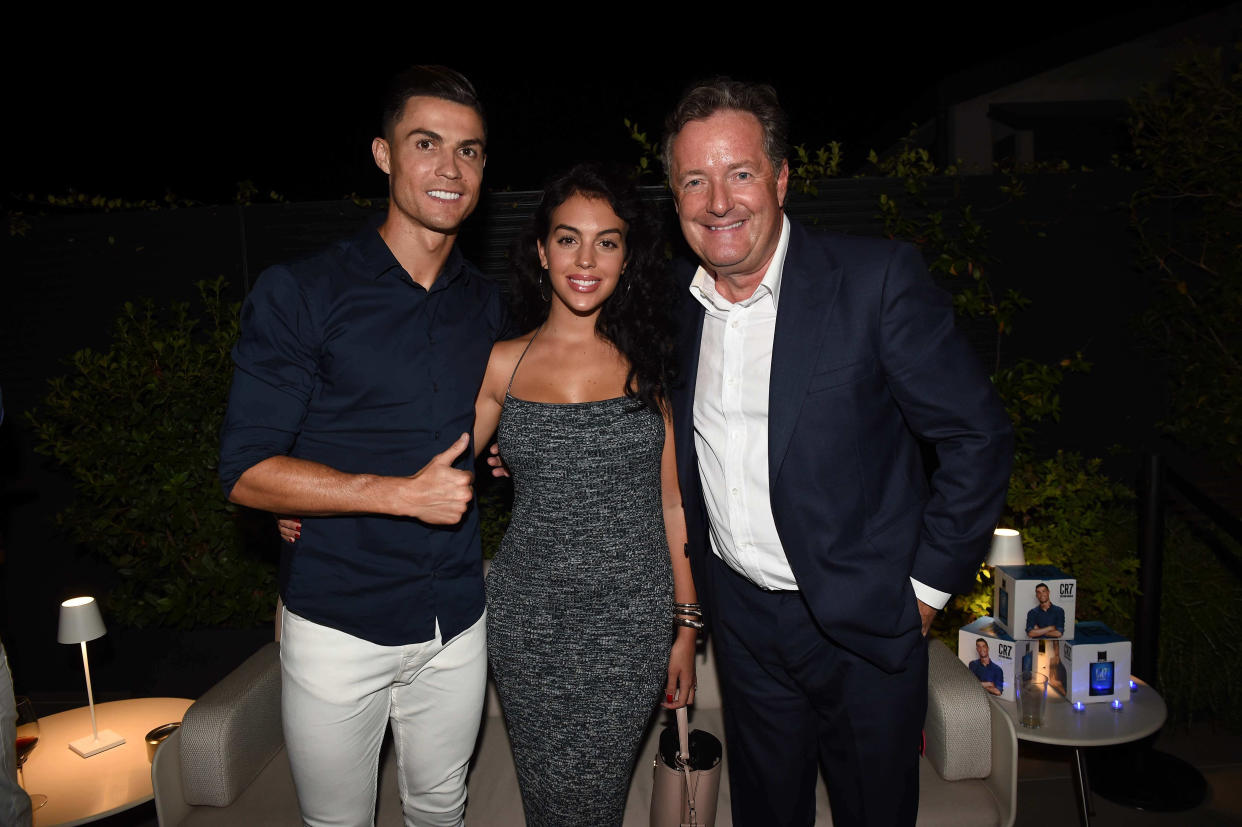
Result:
pixel 504 358
pixel 515 345
pixel 508 351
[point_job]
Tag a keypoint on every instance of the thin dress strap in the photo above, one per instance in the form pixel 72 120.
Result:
pixel 520 358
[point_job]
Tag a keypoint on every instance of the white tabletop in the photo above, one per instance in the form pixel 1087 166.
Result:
pixel 79 789
pixel 1097 725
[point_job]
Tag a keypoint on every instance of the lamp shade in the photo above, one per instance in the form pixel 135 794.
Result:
pixel 80 621
pixel 1006 548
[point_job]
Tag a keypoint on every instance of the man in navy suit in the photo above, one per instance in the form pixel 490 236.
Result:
pixel 815 370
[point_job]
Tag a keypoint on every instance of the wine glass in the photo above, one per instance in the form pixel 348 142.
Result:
pixel 27 738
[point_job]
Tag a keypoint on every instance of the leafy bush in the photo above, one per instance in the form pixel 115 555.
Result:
pixel 136 428
pixel 1073 516
pixel 1188 217
pixel 1070 513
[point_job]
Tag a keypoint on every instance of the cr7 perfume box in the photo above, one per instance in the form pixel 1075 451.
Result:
pixel 1034 602
pixel 988 653
pixel 1096 665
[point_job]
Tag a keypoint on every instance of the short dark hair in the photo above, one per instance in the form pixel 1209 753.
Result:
pixel 637 317
pixel 1043 586
pixel 706 98
pixel 432 82
pixel 984 642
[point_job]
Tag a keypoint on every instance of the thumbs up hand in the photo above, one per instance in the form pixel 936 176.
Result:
pixel 439 493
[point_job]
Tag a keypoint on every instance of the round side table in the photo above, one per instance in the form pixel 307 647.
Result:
pixel 81 790
pixel 1096 725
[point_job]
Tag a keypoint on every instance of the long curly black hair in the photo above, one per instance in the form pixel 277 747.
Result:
pixel 637 317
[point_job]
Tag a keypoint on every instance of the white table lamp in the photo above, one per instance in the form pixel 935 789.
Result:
pixel 1006 548
pixel 80 621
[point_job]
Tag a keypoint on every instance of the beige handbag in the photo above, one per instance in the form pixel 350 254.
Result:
pixel 687 777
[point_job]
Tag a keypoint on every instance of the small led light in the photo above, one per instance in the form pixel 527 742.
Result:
pixel 1116 705
pixel 1133 686
pixel 1079 706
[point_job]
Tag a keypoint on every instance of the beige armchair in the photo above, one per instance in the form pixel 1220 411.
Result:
pixel 227 764
pixel 969 775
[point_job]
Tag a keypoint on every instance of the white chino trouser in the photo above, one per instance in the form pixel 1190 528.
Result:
pixel 338 694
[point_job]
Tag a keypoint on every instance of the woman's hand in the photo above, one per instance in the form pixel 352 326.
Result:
pixel 679 691
pixel 290 528
pixel 496 461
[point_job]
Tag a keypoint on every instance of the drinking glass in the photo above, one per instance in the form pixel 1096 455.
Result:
pixel 27 739
pixel 1032 688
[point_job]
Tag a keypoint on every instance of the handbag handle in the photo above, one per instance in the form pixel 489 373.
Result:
pixel 683 735
pixel 683 758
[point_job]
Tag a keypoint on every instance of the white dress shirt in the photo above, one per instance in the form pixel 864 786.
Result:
pixel 731 428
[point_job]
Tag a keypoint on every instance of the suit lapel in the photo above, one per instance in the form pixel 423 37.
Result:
pixel 690 322
pixel 809 284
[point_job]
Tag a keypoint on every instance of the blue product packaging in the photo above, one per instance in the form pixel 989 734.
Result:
pixel 1096 664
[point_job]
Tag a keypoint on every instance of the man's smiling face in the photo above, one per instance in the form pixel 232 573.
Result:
pixel 434 159
pixel 728 195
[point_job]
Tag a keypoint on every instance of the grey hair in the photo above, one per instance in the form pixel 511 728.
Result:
pixel 706 98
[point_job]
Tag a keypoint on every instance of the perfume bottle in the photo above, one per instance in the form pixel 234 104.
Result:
pixel 1101 675
pixel 1002 611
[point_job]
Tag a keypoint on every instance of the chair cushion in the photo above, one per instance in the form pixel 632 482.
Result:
pixel 231 733
pixel 958 726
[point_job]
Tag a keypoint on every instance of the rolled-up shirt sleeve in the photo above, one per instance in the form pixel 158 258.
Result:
pixel 274 370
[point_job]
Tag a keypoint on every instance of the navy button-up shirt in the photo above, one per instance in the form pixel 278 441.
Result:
pixel 345 360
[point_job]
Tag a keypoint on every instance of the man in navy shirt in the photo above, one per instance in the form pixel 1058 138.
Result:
pixel 1045 620
pixel 351 405
pixel 987 672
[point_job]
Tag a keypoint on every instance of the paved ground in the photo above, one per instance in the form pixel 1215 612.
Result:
pixel 1046 793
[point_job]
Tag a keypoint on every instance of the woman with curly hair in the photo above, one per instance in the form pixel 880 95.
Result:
pixel 591 608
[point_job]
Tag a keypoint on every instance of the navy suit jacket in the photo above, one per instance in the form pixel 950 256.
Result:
pixel 866 365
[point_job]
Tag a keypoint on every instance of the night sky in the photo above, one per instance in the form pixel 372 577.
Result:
pixel 137 117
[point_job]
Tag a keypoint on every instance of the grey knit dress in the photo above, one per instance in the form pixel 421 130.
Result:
pixel 580 602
